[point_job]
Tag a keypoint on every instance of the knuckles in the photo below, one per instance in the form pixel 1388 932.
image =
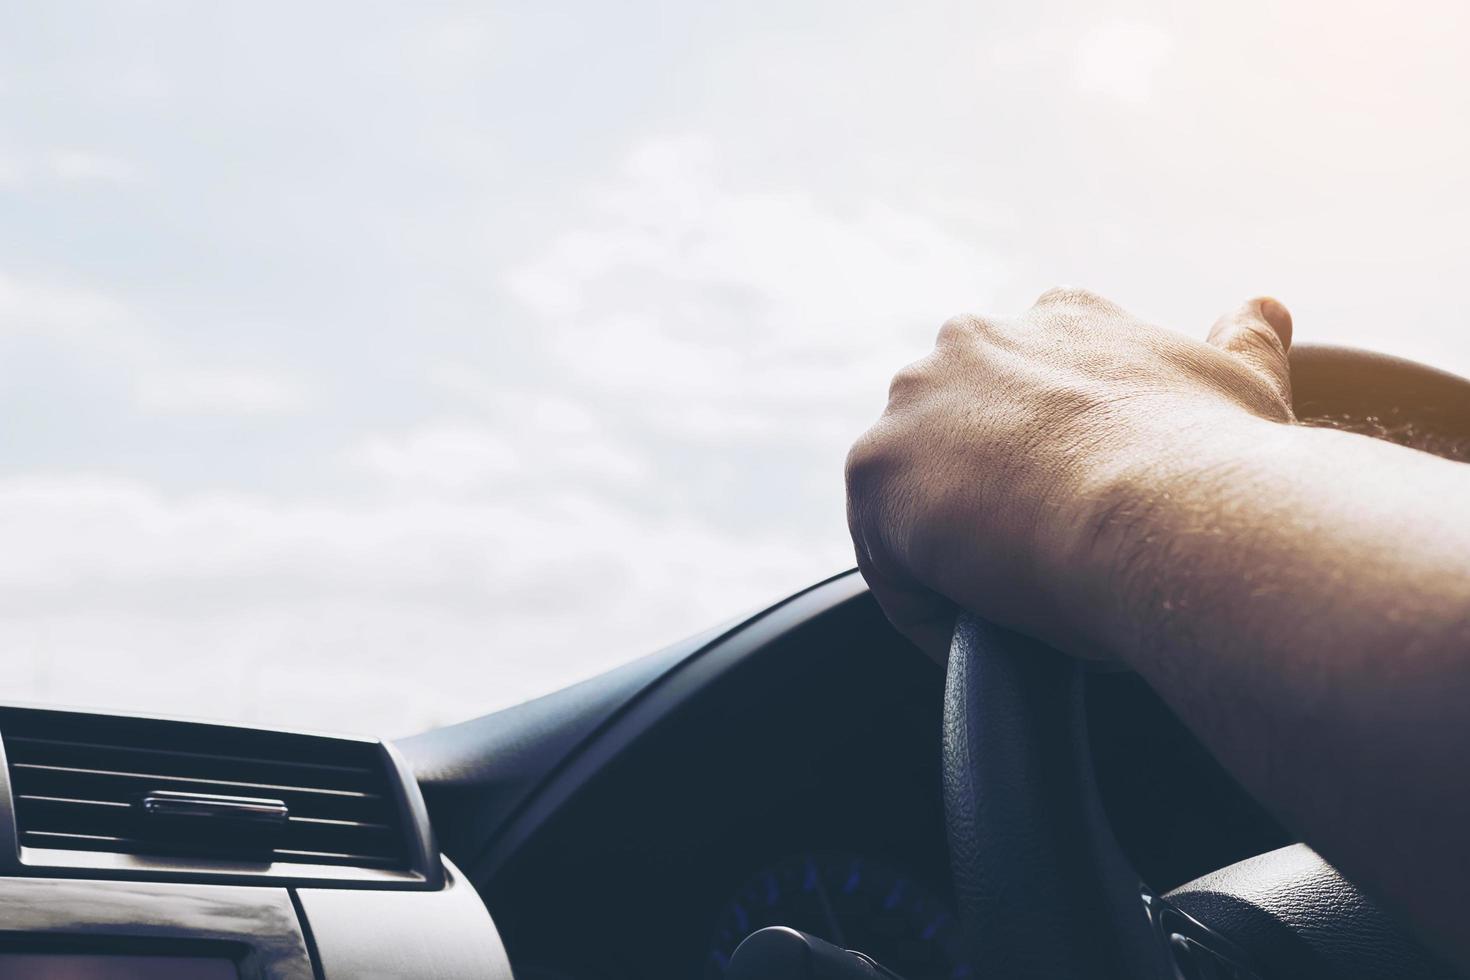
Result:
pixel 869 461
pixel 959 328
pixel 997 369
pixel 909 381
pixel 1072 296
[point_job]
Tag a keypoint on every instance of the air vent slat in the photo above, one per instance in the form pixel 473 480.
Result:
pixel 326 857
pixel 58 835
pixel 127 787
pixel 79 782
pixel 125 845
pixel 158 777
pixel 27 798
pixel 95 748
pixel 339 823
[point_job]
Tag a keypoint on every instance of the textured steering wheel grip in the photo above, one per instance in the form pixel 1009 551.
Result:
pixel 1294 911
pixel 1044 890
pixel 1046 893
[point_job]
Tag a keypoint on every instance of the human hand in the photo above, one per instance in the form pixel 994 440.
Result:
pixel 1002 455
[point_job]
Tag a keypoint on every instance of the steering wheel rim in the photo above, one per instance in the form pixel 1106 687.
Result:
pixel 1044 888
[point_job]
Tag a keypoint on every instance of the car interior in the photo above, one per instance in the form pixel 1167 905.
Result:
pixel 757 800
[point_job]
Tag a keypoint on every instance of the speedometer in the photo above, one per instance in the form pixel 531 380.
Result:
pixel 852 901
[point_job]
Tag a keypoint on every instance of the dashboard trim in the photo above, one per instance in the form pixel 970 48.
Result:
pixel 261 922
pixel 447 935
pixel 656 701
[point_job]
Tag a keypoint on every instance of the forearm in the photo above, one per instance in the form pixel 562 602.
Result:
pixel 1302 598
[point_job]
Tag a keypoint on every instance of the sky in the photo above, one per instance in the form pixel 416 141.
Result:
pixel 368 367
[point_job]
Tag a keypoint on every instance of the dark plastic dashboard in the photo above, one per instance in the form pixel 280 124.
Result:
pixel 611 826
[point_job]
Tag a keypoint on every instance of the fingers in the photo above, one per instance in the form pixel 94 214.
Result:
pixel 926 618
pixel 1259 333
pixel 914 611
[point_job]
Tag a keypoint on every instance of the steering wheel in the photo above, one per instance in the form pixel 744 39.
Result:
pixel 1043 886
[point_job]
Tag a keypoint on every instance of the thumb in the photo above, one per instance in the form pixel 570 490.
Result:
pixel 1259 333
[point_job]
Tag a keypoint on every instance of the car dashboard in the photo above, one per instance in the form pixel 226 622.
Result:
pixel 135 847
pixel 800 791
pixel 781 770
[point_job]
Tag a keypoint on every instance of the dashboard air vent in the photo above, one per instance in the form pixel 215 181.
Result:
pixel 138 786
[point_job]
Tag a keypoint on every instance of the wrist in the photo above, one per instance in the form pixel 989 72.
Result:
pixel 1123 546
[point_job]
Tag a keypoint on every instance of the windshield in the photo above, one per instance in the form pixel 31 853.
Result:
pixel 372 366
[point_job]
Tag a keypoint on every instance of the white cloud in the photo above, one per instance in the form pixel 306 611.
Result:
pixel 332 614
pixel 88 167
pixel 1121 61
pixel 12 174
pixel 544 443
pixel 696 300
pixel 187 390
pixel 30 168
pixel 549 413
pixel 162 378
pixel 68 314
pixel 444 457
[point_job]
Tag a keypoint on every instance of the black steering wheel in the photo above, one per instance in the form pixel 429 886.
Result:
pixel 1045 889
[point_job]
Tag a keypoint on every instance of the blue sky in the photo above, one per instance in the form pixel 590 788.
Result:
pixel 369 366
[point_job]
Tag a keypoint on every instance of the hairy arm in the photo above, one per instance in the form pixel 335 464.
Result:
pixel 1301 597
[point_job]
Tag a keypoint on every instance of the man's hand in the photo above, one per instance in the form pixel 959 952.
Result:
pixel 1299 596
pixel 988 480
